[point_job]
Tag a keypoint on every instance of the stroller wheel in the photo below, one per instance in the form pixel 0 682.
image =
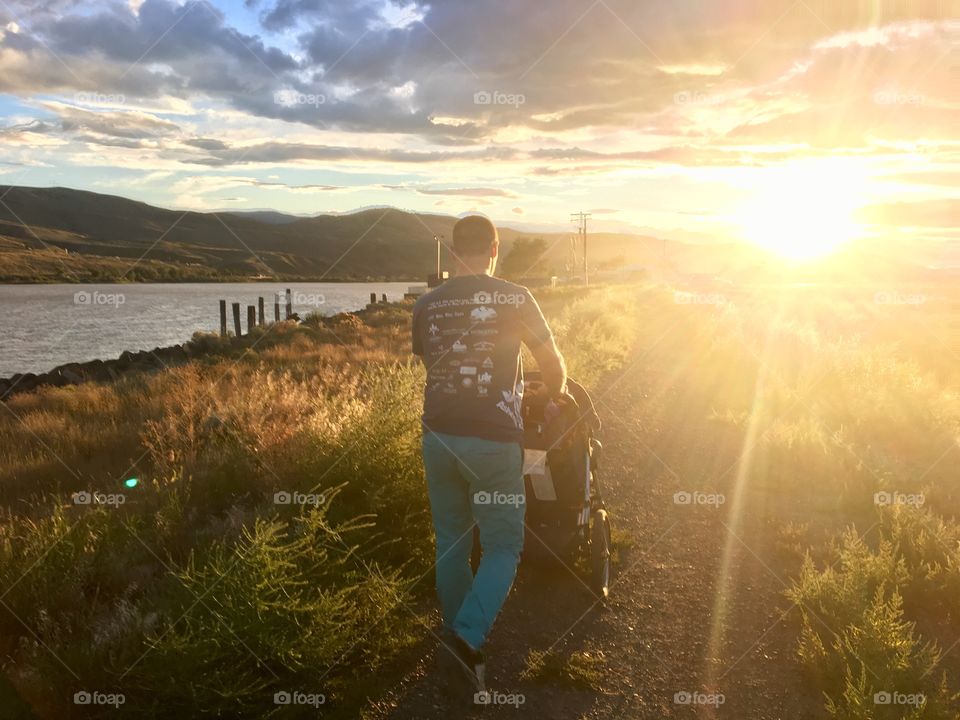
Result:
pixel 600 553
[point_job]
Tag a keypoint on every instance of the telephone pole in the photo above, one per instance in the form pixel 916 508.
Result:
pixel 581 219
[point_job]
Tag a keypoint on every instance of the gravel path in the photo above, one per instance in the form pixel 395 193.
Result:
pixel 697 608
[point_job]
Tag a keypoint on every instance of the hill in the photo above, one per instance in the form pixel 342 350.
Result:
pixel 64 235
pixel 141 242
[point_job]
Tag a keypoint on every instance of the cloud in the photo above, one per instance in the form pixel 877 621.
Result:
pixel 292 188
pixel 947 178
pixel 693 69
pixel 941 213
pixel 468 192
pixel 854 88
pixel 404 67
pixel 130 124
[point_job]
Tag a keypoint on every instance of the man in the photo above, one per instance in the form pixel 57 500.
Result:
pixel 468 333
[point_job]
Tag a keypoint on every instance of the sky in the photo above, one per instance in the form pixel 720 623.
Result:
pixel 691 119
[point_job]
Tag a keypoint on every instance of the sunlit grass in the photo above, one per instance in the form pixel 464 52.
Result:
pixel 329 409
pixel 827 401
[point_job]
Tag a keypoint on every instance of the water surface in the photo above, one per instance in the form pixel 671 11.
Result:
pixel 43 326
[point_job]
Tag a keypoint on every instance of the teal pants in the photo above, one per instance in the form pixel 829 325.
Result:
pixel 473 481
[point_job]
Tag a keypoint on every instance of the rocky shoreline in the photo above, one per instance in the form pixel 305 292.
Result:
pixel 100 370
pixel 201 345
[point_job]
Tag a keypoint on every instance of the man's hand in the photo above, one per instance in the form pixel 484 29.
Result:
pixel 551 411
pixel 552 368
pixel 555 406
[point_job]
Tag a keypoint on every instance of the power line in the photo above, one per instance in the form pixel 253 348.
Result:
pixel 581 219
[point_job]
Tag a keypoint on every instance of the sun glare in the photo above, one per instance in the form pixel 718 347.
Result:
pixel 805 210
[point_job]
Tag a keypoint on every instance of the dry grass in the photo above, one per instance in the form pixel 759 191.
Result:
pixel 327 409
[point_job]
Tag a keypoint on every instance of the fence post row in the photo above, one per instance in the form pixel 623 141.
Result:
pixel 256 314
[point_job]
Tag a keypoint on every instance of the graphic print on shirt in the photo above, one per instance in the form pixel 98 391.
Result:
pixel 470 337
pixel 511 404
pixel 469 332
pixel 483 314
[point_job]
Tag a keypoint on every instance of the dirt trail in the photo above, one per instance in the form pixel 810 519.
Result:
pixel 672 624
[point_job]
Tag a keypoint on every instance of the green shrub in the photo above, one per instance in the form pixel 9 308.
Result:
pixel 291 606
pixel 855 638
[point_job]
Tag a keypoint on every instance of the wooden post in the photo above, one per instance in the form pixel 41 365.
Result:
pixel 251 318
pixel 289 304
pixel 373 298
pixel 383 297
pixel 223 318
pixel 276 307
pixel 236 318
pixel 260 319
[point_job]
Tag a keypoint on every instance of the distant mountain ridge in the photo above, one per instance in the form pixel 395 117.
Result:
pixel 144 242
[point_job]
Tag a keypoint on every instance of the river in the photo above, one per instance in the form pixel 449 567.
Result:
pixel 43 326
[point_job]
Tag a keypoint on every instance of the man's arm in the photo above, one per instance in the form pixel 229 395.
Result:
pixel 537 336
pixel 552 367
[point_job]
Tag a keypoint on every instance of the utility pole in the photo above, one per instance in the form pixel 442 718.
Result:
pixel 581 220
pixel 437 238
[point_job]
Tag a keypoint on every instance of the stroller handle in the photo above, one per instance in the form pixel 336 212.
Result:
pixel 575 395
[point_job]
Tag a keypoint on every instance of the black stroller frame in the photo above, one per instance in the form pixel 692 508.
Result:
pixel 565 514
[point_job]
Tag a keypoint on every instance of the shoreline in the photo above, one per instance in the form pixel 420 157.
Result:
pixel 130 361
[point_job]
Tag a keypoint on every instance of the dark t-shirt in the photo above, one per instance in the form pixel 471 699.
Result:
pixel 468 332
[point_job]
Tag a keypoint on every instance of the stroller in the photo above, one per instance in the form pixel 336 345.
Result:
pixel 565 514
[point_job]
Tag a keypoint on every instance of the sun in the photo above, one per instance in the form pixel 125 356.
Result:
pixel 805 210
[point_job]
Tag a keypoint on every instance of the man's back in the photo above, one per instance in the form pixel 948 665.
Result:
pixel 468 332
